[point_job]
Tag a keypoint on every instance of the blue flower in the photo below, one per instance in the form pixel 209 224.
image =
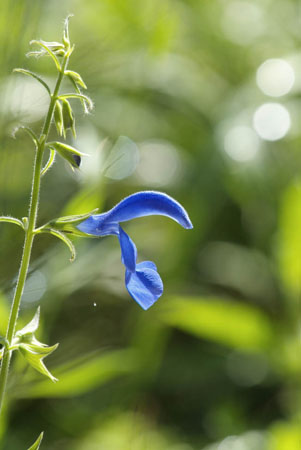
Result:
pixel 142 280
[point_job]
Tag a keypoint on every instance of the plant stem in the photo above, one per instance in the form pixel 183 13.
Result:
pixel 29 235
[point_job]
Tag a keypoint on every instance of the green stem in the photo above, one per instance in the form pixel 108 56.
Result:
pixel 29 236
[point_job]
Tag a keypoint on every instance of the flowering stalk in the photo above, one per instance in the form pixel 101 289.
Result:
pixel 30 232
pixel 142 279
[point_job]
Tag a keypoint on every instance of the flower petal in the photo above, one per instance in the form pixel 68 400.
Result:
pixel 148 203
pixel 98 226
pixel 145 203
pixel 144 285
pixel 128 250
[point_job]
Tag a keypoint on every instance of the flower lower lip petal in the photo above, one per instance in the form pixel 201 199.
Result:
pixel 145 286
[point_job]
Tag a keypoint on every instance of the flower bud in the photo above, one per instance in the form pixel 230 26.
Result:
pixel 58 118
pixel 68 117
pixel 69 153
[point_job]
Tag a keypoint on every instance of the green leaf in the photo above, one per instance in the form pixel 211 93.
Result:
pixel 228 322
pixel 34 75
pixel 49 163
pixel 34 355
pixel 69 153
pixel 83 375
pixel 62 237
pixel 12 220
pixel 289 239
pixel 37 443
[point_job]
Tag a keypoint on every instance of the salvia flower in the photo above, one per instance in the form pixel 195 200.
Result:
pixel 141 279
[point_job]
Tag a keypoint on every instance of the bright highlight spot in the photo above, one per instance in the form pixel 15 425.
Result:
pixel 241 143
pixel 271 121
pixel 275 77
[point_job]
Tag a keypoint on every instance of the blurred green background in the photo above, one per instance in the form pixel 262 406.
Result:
pixel 199 99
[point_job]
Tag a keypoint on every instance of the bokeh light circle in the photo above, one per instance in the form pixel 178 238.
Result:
pixel 271 121
pixel 275 77
pixel 241 143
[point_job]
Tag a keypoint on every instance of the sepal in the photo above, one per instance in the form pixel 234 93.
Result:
pixel 67 224
pixel 37 443
pixel 59 234
pixel 48 48
pixel 31 327
pixel 49 163
pixel 58 118
pixel 33 350
pixel 66 39
pixel 35 353
pixel 76 78
pixel 83 98
pixel 68 117
pixel 67 152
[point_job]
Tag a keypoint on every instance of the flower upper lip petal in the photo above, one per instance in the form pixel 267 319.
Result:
pixel 147 203
pixel 140 204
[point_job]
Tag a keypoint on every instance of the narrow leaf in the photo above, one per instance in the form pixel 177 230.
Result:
pixel 49 163
pixel 29 132
pixel 12 220
pixel 37 443
pixel 34 75
pixel 63 238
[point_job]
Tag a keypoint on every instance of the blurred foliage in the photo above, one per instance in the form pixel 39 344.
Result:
pixel 215 364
